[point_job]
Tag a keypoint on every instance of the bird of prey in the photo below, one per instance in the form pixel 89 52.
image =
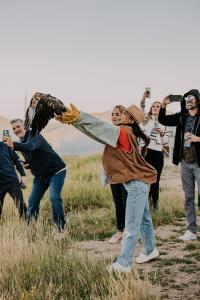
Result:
pixel 42 108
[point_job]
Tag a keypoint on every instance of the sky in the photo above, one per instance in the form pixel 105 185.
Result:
pixel 97 53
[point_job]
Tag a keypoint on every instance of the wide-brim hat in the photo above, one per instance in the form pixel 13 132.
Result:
pixel 136 113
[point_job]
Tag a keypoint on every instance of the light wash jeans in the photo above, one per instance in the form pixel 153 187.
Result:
pixel 138 220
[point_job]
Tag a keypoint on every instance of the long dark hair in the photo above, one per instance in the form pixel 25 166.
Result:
pixel 139 133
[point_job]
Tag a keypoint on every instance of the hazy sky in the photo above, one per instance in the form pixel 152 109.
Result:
pixel 97 53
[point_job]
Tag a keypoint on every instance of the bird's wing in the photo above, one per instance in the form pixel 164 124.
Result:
pixel 30 112
pixel 46 109
pixel 27 120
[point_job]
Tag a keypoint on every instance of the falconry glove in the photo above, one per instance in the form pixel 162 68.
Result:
pixel 70 116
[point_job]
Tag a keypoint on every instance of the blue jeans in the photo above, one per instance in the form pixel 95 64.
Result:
pixel 138 220
pixel 40 185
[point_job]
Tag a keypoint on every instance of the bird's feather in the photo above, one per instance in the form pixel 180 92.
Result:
pixel 46 108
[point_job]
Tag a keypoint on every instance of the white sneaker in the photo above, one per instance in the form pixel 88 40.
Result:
pixel 116 238
pixel 188 236
pixel 118 268
pixel 142 258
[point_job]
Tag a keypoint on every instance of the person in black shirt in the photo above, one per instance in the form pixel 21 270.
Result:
pixel 186 151
pixel 9 182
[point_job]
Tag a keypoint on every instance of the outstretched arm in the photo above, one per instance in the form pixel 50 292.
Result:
pixel 168 120
pixel 31 145
pixel 100 131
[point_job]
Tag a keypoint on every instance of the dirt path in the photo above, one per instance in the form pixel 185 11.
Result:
pixel 174 275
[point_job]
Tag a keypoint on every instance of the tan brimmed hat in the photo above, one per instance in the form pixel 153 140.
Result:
pixel 136 113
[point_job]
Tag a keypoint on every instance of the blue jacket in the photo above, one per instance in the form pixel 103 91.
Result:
pixel 8 160
pixel 42 159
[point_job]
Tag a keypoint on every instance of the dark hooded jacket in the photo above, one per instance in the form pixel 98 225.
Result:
pixel 42 159
pixel 179 120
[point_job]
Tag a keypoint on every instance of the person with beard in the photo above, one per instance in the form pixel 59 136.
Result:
pixel 186 151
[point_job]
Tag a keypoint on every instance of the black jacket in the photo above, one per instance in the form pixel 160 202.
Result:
pixel 42 159
pixel 8 161
pixel 179 120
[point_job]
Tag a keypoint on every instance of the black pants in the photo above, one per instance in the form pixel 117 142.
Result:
pixel 119 194
pixel 16 193
pixel 156 159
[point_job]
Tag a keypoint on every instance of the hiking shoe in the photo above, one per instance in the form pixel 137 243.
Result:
pixel 188 236
pixel 143 258
pixel 116 267
pixel 116 238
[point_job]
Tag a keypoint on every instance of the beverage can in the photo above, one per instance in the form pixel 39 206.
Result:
pixel 187 142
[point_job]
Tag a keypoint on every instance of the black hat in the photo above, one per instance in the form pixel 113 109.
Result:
pixel 193 92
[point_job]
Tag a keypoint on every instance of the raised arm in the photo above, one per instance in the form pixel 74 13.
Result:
pixel 168 120
pixel 142 105
pixel 100 131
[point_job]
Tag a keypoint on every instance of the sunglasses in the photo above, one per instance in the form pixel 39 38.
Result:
pixel 189 98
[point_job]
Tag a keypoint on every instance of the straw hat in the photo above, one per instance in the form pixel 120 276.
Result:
pixel 136 113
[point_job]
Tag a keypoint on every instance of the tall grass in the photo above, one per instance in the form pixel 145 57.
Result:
pixel 35 266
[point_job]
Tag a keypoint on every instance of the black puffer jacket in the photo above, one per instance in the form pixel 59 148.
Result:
pixel 179 120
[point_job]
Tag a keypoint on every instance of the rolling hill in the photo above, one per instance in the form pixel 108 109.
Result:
pixel 66 140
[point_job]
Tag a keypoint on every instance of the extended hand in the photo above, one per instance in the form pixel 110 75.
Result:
pixel 70 116
pixel 8 141
pixel 165 102
pixel 24 181
pixel 193 138
pixel 159 130
pixel 26 165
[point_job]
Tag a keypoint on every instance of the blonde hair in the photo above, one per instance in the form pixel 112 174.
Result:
pixel 149 114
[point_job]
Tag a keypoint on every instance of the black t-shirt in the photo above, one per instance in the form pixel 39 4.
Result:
pixel 189 154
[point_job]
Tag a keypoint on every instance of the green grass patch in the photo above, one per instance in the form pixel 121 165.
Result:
pixel 92 225
pixel 174 261
pixel 189 269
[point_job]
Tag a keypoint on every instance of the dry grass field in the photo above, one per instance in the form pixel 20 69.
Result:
pixel 36 264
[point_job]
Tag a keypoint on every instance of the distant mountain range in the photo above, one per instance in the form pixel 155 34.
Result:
pixel 65 139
